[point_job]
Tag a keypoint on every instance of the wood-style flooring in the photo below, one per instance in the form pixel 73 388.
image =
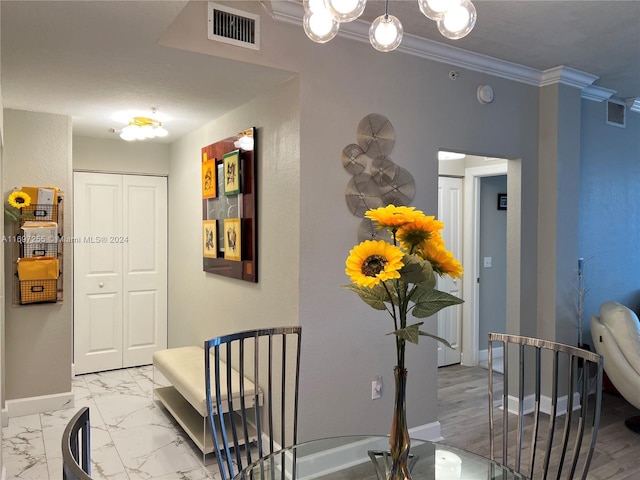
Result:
pixel 463 414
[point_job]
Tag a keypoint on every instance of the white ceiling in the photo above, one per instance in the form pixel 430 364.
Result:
pixel 89 59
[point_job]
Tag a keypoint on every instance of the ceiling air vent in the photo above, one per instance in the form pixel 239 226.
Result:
pixel 232 26
pixel 616 113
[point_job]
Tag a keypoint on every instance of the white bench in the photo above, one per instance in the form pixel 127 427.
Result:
pixel 186 398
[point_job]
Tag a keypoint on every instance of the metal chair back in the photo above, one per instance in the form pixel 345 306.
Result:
pixel 264 413
pixel 76 447
pixel 550 383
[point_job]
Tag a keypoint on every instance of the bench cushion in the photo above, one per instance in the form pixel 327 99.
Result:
pixel 184 368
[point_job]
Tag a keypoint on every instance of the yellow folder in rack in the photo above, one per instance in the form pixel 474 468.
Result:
pixel 37 268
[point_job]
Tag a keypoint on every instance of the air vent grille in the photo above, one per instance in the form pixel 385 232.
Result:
pixel 616 113
pixel 232 26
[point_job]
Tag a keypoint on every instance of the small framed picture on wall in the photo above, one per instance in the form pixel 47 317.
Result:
pixel 231 172
pixel 210 238
pixel 502 201
pixel 209 182
pixel 232 239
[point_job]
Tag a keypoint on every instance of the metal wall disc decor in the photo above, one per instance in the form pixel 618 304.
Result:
pixel 388 183
pixel 400 190
pixel 375 135
pixel 354 159
pixel 383 169
pixel 368 231
pixel 362 193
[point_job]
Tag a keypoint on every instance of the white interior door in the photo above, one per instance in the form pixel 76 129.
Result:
pixel 450 318
pixel 120 270
pixel 144 268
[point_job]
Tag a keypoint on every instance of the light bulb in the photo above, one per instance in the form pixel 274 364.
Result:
pixel 435 9
pixel 320 26
pixel 346 10
pixel 313 6
pixel 458 21
pixel 385 33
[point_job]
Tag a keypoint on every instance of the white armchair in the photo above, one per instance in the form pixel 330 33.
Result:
pixel 616 336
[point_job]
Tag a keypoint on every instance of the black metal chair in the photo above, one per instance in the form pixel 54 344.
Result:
pixel 553 379
pixel 76 455
pixel 256 376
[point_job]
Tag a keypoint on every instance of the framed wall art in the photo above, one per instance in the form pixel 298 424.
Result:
pixel 209 181
pixel 230 212
pixel 231 170
pixel 232 239
pixel 502 201
pixel 210 238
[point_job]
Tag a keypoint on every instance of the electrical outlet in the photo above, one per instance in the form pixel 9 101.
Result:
pixel 376 388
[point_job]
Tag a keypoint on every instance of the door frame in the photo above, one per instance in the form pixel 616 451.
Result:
pixel 471 256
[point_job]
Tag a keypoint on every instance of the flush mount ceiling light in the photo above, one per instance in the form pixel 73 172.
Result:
pixel 322 19
pixel 143 128
pixel 442 155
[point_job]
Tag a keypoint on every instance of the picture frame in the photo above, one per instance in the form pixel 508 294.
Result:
pixel 231 172
pixel 209 180
pixel 232 239
pixel 502 201
pixel 243 206
pixel 210 238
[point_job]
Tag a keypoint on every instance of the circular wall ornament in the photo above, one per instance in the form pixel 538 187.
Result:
pixel 400 190
pixel 383 169
pixel 354 159
pixel 375 135
pixel 362 193
pixel 368 231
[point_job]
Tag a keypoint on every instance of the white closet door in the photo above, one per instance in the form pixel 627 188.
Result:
pixel 145 268
pixel 97 271
pixel 450 318
pixel 120 270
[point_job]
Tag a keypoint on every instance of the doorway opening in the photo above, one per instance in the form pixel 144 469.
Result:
pixel 483 182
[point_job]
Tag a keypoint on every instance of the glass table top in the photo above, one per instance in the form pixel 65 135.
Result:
pixel 365 458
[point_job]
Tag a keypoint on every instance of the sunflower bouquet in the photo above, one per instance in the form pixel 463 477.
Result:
pixel 18 200
pixel 400 277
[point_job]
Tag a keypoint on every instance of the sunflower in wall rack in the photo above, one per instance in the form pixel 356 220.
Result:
pixel 18 200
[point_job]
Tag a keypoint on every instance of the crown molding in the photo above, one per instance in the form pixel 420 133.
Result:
pixel 633 104
pixel 290 11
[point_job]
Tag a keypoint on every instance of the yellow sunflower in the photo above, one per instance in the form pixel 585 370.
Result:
pixel 442 261
pixel 420 230
pixel 19 199
pixel 372 262
pixel 393 217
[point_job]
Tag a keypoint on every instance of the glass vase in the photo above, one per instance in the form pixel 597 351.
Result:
pixel 399 441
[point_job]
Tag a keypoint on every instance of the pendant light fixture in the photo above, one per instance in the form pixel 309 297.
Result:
pixel 385 33
pixel 322 19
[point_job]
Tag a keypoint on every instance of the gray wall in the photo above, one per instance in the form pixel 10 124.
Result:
pixel 609 210
pixel 38 337
pixel 344 341
pixel 117 156
pixel 493 243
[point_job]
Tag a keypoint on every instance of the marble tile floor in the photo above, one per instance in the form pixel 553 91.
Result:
pixel 132 436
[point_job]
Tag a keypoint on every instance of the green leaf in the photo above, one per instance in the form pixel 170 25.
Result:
pixel 430 302
pixel 440 339
pixel 429 277
pixel 410 333
pixel 374 297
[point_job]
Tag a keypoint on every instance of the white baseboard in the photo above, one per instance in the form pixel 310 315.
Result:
pixel 3 476
pixel 430 432
pixel 545 404
pixel 5 417
pixel 45 403
pixel 483 355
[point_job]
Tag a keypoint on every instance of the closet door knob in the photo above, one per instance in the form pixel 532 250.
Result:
pixel 101 285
